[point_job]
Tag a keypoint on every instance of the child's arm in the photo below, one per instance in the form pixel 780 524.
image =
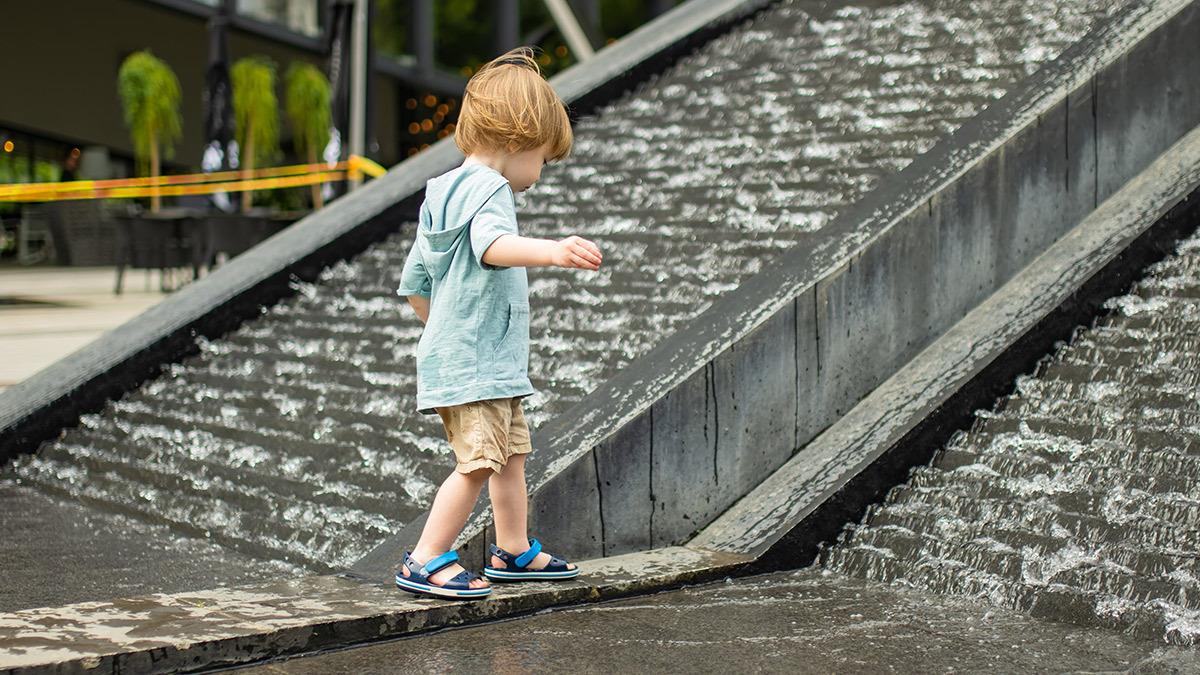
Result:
pixel 415 284
pixel 420 305
pixel 510 250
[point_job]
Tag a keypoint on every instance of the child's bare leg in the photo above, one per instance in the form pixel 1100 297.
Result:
pixel 510 505
pixel 451 507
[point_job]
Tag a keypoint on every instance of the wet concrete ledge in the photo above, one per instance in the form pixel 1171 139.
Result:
pixel 916 411
pixel 38 408
pixel 660 450
pixel 224 627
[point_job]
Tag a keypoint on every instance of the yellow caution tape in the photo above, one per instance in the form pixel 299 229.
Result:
pixel 192 184
pixel 362 164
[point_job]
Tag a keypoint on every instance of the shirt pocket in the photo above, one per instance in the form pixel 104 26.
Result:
pixel 509 356
pixel 444 360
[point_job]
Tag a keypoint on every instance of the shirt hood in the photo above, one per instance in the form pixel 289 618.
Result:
pixel 451 201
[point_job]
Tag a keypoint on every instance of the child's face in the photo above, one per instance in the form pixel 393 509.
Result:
pixel 524 168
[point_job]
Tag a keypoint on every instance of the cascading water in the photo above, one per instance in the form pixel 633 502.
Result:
pixel 1078 498
pixel 295 436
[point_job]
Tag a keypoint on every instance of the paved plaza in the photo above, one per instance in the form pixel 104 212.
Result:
pixel 47 312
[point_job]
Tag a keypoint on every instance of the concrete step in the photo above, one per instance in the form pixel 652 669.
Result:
pixel 1001 521
pixel 1000 452
pixel 1035 560
pixel 313 441
pixel 1009 535
pixel 1081 480
pixel 273 527
pixel 1085 467
pixel 1077 497
pixel 1056 602
pixel 1179 440
pixel 195 480
pixel 231 626
pixel 370 473
pixel 1083 376
pixel 1106 415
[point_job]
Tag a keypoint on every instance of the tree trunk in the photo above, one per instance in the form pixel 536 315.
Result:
pixel 155 199
pixel 317 199
pixel 247 154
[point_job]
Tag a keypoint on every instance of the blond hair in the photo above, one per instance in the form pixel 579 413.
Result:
pixel 509 107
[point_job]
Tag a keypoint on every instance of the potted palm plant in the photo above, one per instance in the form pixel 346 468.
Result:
pixel 149 92
pixel 256 113
pixel 308 111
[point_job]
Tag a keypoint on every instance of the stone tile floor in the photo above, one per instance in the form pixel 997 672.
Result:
pixel 47 312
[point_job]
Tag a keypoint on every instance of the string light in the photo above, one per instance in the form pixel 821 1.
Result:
pixel 8 146
pixel 414 128
pixel 430 100
pixel 561 51
pixel 411 104
pixel 427 125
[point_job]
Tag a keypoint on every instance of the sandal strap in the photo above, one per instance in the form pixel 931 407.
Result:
pixel 459 582
pixel 535 547
pixel 447 558
pixel 508 558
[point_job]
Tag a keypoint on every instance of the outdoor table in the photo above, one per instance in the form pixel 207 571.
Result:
pixel 167 239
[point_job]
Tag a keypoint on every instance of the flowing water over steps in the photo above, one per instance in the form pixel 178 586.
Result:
pixel 1079 497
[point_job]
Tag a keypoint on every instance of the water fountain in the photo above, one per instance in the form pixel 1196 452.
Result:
pixel 1076 497
pixel 294 437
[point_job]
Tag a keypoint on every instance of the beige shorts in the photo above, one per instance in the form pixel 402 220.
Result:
pixel 484 434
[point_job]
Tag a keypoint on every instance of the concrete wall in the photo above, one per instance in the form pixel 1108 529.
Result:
pixel 659 451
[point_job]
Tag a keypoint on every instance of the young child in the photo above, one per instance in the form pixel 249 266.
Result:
pixel 465 279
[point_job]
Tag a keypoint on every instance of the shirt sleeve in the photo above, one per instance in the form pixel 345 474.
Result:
pixel 415 279
pixel 497 217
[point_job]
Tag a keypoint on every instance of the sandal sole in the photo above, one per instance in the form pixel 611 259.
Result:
pixel 438 591
pixel 502 575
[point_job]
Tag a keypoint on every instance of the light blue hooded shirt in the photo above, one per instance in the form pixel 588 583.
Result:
pixel 475 345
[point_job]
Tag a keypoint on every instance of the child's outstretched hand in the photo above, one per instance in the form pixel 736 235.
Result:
pixel 576 252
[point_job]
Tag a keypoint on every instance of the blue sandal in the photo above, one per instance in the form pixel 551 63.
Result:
pixel 515 565
pixel 418 582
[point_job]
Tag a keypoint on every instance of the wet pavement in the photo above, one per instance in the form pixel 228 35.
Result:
pixel 295 438
pixel 798 622
pixel 70 553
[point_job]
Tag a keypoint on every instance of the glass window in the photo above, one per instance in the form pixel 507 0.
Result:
pixel 300 16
